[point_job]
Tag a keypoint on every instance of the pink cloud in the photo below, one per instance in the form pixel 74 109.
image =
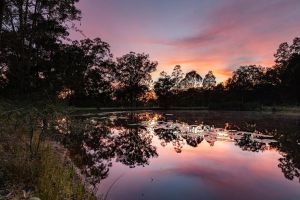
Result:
pixel 220 37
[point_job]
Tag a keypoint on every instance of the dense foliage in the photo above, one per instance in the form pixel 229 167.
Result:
pixel 249 87
pixel 39 61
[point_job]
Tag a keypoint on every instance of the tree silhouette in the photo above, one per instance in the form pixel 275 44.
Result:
pixel 31 32
pixel 162 88
pixel 209 81
pixel 287 70
pixel 177 76
pixel 295 47
pixel 98 86
pixel 282 54
pixel 89 56
pixel 290 77
pixel 249 87
pixel 246 78
pixel 39 62
pixel 191 80
pixel 133 75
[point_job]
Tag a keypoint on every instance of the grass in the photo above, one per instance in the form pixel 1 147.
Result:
pixel 48 176
pixel 30 167
pixel 58 180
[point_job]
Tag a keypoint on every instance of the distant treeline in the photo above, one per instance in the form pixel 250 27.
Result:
pixel 39 61
pixel 249 87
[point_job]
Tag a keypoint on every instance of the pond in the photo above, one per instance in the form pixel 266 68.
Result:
pixel 187 154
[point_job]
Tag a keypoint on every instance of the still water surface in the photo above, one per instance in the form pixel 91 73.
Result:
pixel 188 154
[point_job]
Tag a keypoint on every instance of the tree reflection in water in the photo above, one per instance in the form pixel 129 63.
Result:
pixel 133 147
pixel 170 136
pixel 95 142
pixel 289 146
pixel 193 140
pixel 92 148
pixel 248 144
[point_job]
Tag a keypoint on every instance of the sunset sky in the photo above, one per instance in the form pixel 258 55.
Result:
pixel 217 35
